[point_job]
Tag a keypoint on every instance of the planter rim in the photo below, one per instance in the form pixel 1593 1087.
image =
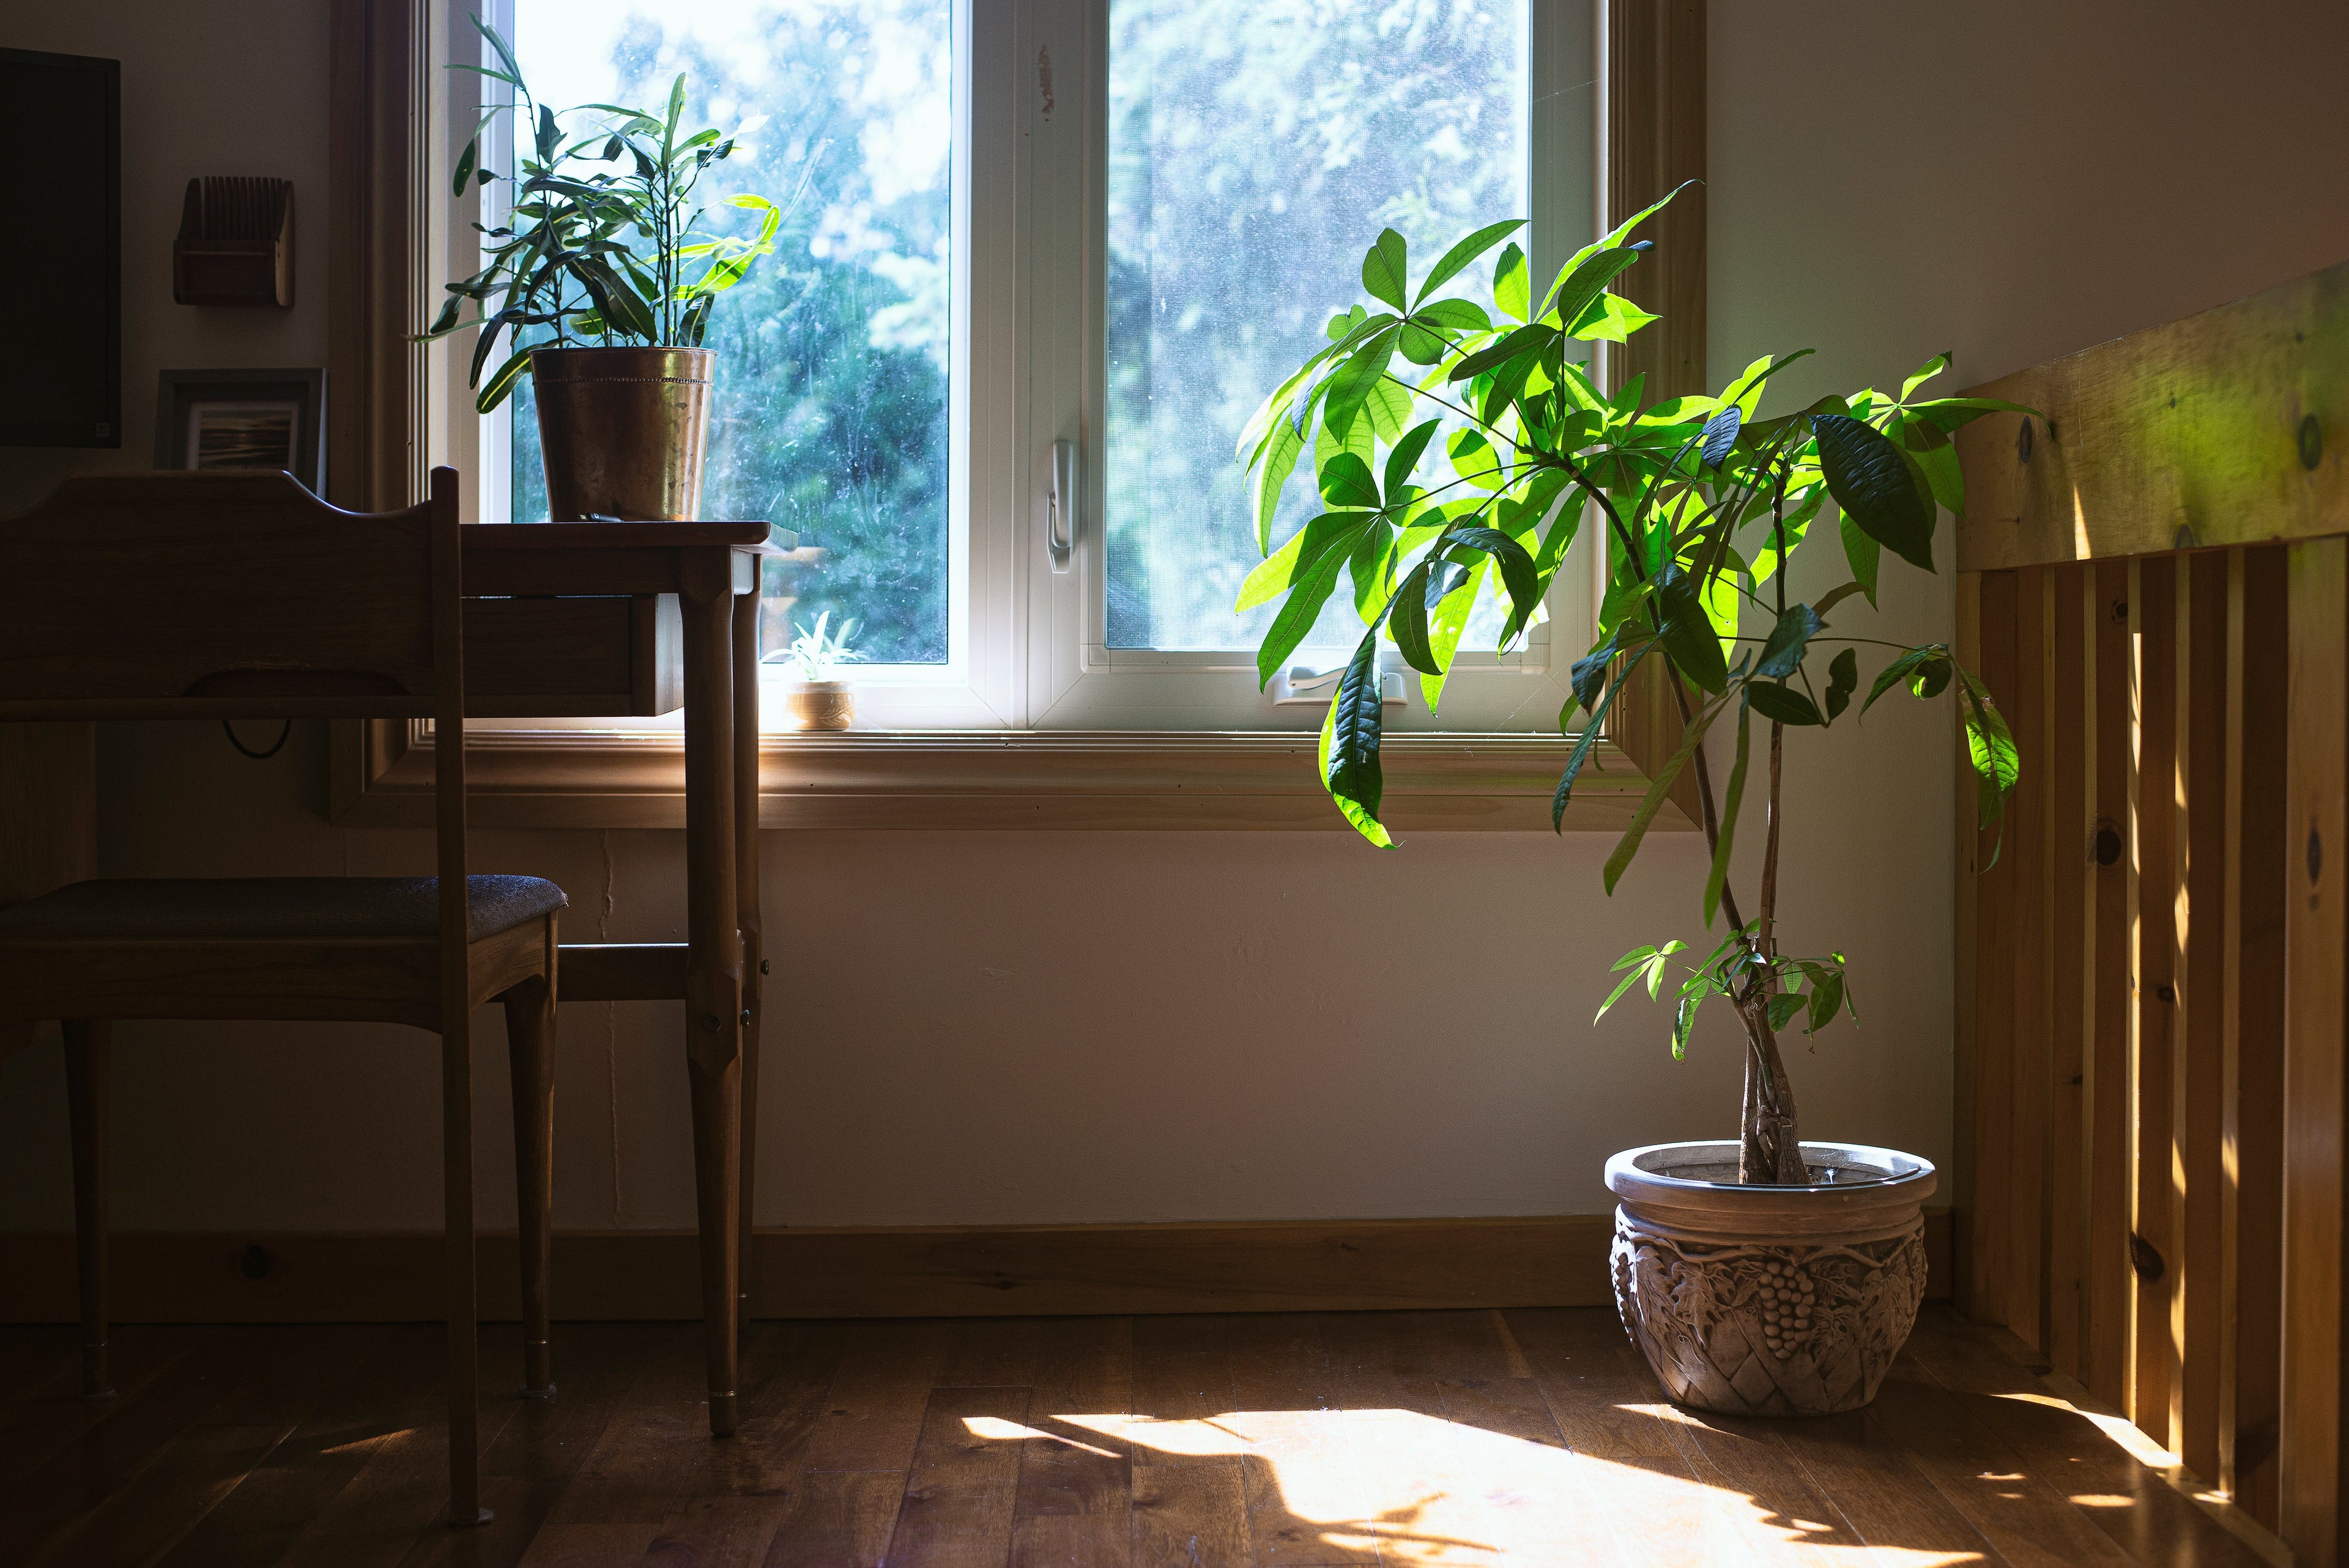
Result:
pixel 1641 1178
pixel 823 686
pixel 602 362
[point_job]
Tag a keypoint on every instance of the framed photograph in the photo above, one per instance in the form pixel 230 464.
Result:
pixel 243 419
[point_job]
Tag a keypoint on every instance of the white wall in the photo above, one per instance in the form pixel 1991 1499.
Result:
pixel 984 1028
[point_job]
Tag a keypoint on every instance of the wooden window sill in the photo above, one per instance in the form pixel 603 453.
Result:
pixel 963 779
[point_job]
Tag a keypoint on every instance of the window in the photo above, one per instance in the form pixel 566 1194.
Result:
pixel 1115 223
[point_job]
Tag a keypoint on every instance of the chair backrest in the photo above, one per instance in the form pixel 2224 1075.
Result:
pixel 228 594
pixel 191 596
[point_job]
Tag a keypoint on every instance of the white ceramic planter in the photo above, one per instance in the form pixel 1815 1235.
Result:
pixel 821 705
pixel 1769 1300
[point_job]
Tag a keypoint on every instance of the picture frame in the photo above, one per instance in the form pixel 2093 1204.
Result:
pixel 215 419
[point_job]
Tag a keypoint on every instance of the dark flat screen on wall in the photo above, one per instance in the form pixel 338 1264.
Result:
pixel 61 369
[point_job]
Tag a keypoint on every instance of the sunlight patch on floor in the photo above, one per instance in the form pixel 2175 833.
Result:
pixel 1403 1487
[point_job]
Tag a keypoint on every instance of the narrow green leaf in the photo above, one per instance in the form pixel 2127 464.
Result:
pixel 465 162
pixel 1350 744
pixel 1512 283
pixel 1465 251
pixel 503 383
pixel 1300 557
pixel 1864 554
pixel 1782 704
pixel 1658 789
pixel 1406 453
pixel 1563 795
pixel 1718 876
pixel 1313 586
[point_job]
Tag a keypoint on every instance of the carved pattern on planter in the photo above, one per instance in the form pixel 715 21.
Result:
pixel 1799 1329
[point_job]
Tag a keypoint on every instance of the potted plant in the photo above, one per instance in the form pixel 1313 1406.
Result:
pixel 822 699
pixel 1766 1274
pixel 589 276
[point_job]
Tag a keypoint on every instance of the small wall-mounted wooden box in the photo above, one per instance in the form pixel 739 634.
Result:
pixel 235 243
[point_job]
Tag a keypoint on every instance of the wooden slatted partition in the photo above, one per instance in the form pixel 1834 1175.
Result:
pixel 2152 1016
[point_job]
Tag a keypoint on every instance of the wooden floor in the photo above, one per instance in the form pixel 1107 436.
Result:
pixel 1198 1442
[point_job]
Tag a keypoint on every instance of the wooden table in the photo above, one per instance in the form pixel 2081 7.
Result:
pixel 712 569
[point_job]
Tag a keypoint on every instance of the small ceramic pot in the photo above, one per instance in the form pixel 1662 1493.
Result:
pixel 822 705
pixel 1769 1300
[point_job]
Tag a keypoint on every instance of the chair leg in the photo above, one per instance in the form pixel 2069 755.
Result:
pixel 87 1076
pixel 457 1220
pixel 529 1047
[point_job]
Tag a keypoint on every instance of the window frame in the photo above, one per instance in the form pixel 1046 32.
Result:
pixel 393 415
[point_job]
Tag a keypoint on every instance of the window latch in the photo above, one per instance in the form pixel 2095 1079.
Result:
pixel 1060 508
pixel 1302 683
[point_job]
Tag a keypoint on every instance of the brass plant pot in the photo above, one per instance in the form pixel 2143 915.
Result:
pixel 622 431
pixel 821 705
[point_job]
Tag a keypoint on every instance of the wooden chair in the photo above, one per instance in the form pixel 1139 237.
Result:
pixel 220 595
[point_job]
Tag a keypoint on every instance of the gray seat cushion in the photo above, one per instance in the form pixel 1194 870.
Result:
pixel 273 909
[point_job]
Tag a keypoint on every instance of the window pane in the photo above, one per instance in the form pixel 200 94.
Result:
pixel 1256 149
pixel 830 413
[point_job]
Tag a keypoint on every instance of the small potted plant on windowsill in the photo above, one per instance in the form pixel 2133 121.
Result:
pixel 822 699
pixel 1766 1274
pixel 589 275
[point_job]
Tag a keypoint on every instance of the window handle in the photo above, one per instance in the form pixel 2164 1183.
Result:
pixel 1061 507
pixel 1302 683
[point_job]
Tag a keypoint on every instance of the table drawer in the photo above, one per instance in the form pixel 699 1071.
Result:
pixel 573 657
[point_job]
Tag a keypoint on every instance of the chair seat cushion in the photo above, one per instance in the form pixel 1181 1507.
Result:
pixel 273 909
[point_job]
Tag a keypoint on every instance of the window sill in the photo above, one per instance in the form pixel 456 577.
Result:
pixel 978 780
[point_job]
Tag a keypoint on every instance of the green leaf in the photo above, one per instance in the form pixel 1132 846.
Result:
pixel 1408 621
pixel 1459 255
pixel 1658 789
pixel 1784 1008
pixel 1878 485
pixel 1345 481
pixel 1450 621
pixel 1720 435
pixel 1782 704
pixel 465 162
pixel 1384 269
pixel 1578 289
pixel 1718 876
pixel 1929 664
pixel 1474 459
pixel 1523 340
pixel 1298 557
pixel 1843 678
pixel 1370 564
pixel 1517 568
pixel 1827 995
pixel 1345 322
pixel 1609 319
pixel 1835 596
pixel 1561 796
pixel 1925 372
pixel 1314 583
pixel 496 389
pixel 1406 453
pixel 1782 654
pixel 1865 555
pixel 1512 284
pixel 1455 315
pixel 1990 746
pixel 1350 384
pixel 1350 744
pixel 1684 1024
pixel 1689 638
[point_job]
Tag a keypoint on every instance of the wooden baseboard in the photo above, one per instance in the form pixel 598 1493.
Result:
pixel 959 1272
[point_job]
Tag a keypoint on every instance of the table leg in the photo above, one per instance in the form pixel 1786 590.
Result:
pixel 746 913
pixel 713 972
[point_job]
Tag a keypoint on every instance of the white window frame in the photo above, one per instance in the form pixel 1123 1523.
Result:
pixel 1026 646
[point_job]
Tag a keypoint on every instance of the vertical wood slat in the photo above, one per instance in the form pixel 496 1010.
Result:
pixel 2154 1253
pixel 1988 1225
pixel 2071 870
pixel 2252 1261
pixel 2196 1087
pixel 1967 966
pixel 2026 847
pixel 2316 945
pixel 2108 1346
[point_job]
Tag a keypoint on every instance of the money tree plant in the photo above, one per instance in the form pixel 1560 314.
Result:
pixel 1497 444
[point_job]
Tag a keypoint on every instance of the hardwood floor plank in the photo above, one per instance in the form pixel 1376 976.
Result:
pixel 879 1395
pixel 1610 1420
pixel 993 1353
pixel 838 1519
pixel 31 1354
pixel 2024 1518
pixel 1417 1472
pixel 1880 1496
pixel 1072 1541
pixel 654 1455
pixel 302 1475
pixel 160 1503
pixel 1083 1367
pixel 518 1505
pixel 1784 1517
pixel 964 1483
pixel 1307 1502
pixel 589 1545
pixel 549 1439
pixel 1182 1372
pixel 717 1533
pixel 1536 1490
pixel 2136 1508
pixel 1191 1515
pixel 51 1413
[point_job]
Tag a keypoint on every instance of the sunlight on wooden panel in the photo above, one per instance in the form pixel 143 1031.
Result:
pixel 1403 1487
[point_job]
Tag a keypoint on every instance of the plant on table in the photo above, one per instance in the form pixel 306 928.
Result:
pixel 1703 506
pixel 601 231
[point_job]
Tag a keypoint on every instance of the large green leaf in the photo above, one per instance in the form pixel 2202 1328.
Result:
pixel 1345 481
pixel 1300 557
pixel 1782 654
pixel 1448 619
pixel 1865 555
pixel 1575 291
pixel 1513 284
pixel 1350 744
pixel 1516 566
pixel 1467 249
pixel 1351 382
pixel 1687 630
pixel 1313 584
pixel 1384 270
pixel 1277 461
pixel 1878 485
pixel 1523 340
pixel 1408 621
pixel 1609 319
pixel 1406 453
pixel 1782 704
